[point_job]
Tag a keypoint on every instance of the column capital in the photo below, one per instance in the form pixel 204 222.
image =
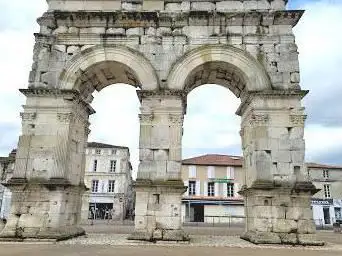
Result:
pixel 270 94
pixel 69 95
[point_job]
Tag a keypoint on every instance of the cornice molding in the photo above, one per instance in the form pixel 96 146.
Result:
pixel 120 18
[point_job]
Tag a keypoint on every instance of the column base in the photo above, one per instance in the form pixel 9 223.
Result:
pixel 22 234
pixel 160 235
pixel 158 211
pixel 281 238
pixel 43 209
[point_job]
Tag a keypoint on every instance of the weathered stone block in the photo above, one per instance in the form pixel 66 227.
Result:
pixel 134 31
pixel 202 6
pixel 152 5
pixel 229 6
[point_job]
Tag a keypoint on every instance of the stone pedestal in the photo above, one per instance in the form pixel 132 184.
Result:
pixel 158 211
pixel 280 214
pixel 47 209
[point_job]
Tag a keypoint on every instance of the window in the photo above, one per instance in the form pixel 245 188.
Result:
pixel 113 151
pixel 338 213
pixel 230 189
pixel 111 186
pixel 98 151
pixel 211 172
pixel 192 188
pixel 112 165
pixel 192 171
pixel 211 189
pixel 326 174
pixel 230 173
pixel 327 191
pixel 95 166
pixel 94 186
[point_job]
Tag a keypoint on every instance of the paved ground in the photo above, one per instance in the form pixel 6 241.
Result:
pixel 79 250
pixel 106 239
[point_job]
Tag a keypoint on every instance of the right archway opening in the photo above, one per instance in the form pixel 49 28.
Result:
pixel 212 165
pixel 275 188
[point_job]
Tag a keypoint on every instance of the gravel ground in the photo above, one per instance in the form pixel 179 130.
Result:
pixel 196 241
pixel 105 250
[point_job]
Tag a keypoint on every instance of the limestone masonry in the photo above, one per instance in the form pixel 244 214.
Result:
pixel 165 49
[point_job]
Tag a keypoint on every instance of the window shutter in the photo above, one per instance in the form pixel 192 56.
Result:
pixel 105 186
pixel 116 186
pixel 186 183
pixel 230 173
pixel 211 172
pixel 216 186
pixel 224 190
pixel 205 188
pixel 118 166
pixel 236 190
pixel 192 171
pixel 198 187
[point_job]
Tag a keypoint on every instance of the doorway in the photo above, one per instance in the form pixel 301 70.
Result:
pixel 198 213
pixel 326 216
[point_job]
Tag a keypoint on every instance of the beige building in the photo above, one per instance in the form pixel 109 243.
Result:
pixel 108 175
pixel 213 183
pixel 327 203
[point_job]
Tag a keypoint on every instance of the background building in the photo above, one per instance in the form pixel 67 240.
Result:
pixel 327 203
pixel 108 175
pixel 213 183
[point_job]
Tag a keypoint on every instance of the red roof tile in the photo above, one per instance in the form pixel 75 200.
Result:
pixel 214 159
pixel 322 166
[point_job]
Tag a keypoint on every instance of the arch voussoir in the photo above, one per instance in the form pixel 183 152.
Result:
pixel 254 74
pixel 84 60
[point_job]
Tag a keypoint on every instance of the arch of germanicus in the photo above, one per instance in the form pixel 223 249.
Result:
pixel 165 49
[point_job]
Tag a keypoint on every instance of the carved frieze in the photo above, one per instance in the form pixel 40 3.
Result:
pixel 176 119
pixel 146 118
pixel 162 93
pixel 28 116
pixel 259 119
pixel 87 130
pixel 65 117
pixel 298 119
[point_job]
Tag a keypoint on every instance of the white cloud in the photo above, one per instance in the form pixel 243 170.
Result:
pixel 210 121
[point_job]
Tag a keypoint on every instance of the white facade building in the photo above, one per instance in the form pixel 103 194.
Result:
pixel 327 203
pixel 108 176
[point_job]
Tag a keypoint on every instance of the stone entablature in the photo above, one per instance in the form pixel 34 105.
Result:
pixel 168 6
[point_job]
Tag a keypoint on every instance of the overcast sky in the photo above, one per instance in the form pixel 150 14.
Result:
pixel 210 124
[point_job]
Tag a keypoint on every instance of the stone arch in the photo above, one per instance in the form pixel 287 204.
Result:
pixel 233 68
pixel 133 67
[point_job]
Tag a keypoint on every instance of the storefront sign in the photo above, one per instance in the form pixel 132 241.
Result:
pixel 222 180
pixel 317 201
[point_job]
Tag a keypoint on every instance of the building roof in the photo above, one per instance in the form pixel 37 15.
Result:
pixel 103 145
pixel 214 159
pixel 322 166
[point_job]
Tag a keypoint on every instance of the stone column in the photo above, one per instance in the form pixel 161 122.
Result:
pixel 47 182
pixel 277 190
pixel 159 186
